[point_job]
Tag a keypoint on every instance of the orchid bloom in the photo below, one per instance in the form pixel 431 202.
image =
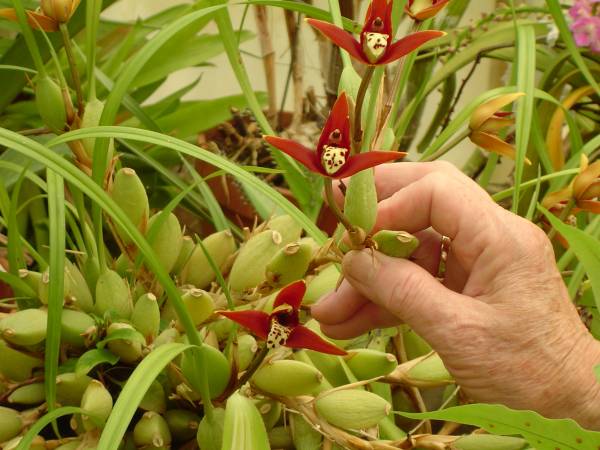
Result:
pixel 424 9
pixel 375 46
pixel 35 20
pixel 282 327
pixel 586 23
pixel 488 120
pixel 584 189
pixel 332 157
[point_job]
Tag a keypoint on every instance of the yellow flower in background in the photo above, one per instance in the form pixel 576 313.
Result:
pixel 59 10
pixel 488 120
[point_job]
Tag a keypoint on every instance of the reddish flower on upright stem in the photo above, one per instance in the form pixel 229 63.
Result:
pixel 332 157
pixel 282 327
pixel 375 46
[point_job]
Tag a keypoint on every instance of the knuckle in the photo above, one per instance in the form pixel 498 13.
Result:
pixel 444 166
pixel 405 290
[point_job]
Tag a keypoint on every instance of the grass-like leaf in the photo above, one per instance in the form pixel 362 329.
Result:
pixel 92 358
pixel 133 392
pixel 526 52
pixel 41 423
pixel 151 137
pixel 539 432
pixel 56 215
pixel 585 247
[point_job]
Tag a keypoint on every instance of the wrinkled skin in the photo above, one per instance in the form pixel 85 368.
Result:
pixel 502 321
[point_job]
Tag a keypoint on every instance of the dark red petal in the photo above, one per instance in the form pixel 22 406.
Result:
pixel 291 295
pixel 339 119
pixel 255 321
pixel 407 44
pixel 363 161
pixel 302 337
pixel 340 38
pixel 299 152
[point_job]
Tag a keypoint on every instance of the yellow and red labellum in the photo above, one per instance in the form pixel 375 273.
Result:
pixel 375 45
pixel 278 334
pixel 333 158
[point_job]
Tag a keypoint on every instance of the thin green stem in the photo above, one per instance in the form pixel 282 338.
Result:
pixel 64 30
pixel 442 151
pixel 360 100
pixel 336 16
pixel 29 38
pixel 254 365
pixel 563 216
pixel 337 212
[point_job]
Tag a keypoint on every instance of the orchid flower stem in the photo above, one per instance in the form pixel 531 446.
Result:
pixel 254 365
pixel 360 100
pixel 442 151
pixel 73 65
pixel 563 216
pixel 353 232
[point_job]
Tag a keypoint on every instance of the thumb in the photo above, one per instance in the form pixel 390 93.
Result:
pixel 406 290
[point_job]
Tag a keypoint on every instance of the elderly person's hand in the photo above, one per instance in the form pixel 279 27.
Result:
pixel 502 321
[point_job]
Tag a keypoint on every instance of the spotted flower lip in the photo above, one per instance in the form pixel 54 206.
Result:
pixel 332 157
pixel 424 9
pixel 282 327
pixel 375 46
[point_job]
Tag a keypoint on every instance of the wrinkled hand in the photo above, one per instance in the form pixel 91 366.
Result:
pixel 502 321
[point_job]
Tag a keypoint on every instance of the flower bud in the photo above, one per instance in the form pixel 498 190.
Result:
pixel 146 316
pixel 130 351
pixel 129 193
pixel 197 270
pixel 152 431
pixel 423 372
pixel 29 394
pixel 182 423
pixel 305 437
pixel 59 10
pixel 70 388
pixel 167 239
pixel 287 227
pixel 91 118
pixel 210 430
pixel 16 365
pixel 424 9
pixel 199 304
pixel 324 282
pixel 98 403
pixel 287 378
pixel 78 292
pixel 289 264
pixel 25 328
pixel 351 408
pixel 76 326
pixel 270 411
pixel 280 437
pixel 397 244
pixel 167 336
pixel 366 363
pixel 248 270
pixel 44 286
pixel 113 296
pixel 246 350
pixel 187 247
pixel 154 399
pixel 50 104
pixel 10 423
pixel 243 428
pixel 215 366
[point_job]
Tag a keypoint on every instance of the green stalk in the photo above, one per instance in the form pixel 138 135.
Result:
pixel 93 9
pixel 29 38
pixel 334 207
pixel 253 367
pixel 360 99
pixel 488 171
pixel 73 66
pixel 336 16
pixel 563 216
pixel 445 149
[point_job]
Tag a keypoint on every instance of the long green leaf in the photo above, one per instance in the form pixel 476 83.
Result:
pixel 42 422
pixel 585 247
pixel 56 213
pixel 539 432
pixel 133 392
pixel 525 83
pixel 78 178
pixel 151 137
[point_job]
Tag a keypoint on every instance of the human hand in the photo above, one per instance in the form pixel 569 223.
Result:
pixel 502 321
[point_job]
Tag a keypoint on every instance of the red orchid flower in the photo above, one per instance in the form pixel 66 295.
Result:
pixel 332 157
pixel 375 45
pixel 282 327
pixel 424 9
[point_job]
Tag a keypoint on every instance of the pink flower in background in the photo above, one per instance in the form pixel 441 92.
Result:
pixel 586 23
